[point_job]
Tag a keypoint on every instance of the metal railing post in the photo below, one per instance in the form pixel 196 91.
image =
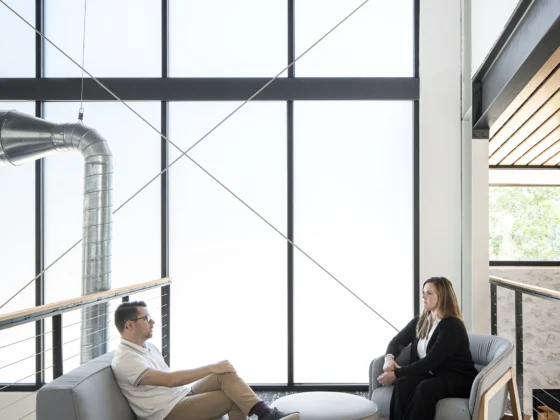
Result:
pixel 519 344
pixel 493 309
pixel 58 363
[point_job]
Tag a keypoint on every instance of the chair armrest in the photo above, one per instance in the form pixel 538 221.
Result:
pixel 375 369
pixel 488 377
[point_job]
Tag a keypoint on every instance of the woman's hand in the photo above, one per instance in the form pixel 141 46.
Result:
pixel 387 378
pixel 389 364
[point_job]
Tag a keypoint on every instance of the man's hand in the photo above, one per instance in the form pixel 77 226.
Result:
pixel 387 378
pixel 222 367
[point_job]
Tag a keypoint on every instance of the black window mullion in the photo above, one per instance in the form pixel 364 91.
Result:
pixel 39 208
pixel 290 196
pixel 416 167
pixel 164 182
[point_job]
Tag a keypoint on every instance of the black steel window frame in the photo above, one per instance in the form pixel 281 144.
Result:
pixel 165 89
pixel 501 263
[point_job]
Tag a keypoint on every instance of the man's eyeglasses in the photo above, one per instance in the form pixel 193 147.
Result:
pixel 148 318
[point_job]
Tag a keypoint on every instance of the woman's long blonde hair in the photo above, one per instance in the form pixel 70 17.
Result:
pixel 447 305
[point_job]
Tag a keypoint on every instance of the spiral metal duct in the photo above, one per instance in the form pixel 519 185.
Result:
pixel 23 139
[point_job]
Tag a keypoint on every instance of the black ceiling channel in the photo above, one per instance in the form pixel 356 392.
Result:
pixel 211 89
pixel 530 37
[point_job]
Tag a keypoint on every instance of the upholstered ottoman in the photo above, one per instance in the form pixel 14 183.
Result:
pixel 328 406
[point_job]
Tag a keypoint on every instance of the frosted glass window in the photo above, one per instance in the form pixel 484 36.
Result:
pixel 378 40
pixel 122 39
pixel 136 227
pixel 229 267
pixel 223 38
pixel 18 55
pixel 354 215
pixel 17 259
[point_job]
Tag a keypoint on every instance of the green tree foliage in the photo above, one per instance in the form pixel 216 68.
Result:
pixel 524 223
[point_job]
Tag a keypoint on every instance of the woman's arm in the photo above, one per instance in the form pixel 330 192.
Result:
pixel 447 343
pixel 402 339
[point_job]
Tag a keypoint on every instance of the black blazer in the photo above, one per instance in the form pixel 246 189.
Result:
pixel 448 352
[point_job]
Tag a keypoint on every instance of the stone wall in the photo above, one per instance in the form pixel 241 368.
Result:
pixel 541 327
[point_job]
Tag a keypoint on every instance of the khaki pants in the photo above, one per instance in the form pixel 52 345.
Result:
pixel 214 396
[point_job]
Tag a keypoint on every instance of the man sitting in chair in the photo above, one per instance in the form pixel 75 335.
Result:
pixel 156 393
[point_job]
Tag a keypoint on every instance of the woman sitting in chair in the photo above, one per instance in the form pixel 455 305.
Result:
pixel 441 363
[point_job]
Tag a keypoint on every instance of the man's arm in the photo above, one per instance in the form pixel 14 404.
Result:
pixel 183 377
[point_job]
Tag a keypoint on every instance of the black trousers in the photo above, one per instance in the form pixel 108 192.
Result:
pixel 415 397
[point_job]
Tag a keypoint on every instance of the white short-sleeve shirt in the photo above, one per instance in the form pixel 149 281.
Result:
pixel 130 364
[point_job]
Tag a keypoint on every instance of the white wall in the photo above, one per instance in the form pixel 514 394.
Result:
pixel 440 141
pixel 480 287
pixel 488 20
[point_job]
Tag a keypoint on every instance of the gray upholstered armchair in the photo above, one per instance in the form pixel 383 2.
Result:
pixel 493 358
pixel 89 392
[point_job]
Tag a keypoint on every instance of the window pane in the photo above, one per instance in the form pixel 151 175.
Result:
pixel 17 267
pixel 378 40
pixel 21 46
pixel 136 235
pixel 121 40
pixel 524 223
pixel 229 267
pixel 219 38
pixel 354 215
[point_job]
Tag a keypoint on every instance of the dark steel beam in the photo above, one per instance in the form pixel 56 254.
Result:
pixel 211 89
pixel 531 36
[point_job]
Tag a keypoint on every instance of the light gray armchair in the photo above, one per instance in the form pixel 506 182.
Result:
pixel 493 358
pixel 89 392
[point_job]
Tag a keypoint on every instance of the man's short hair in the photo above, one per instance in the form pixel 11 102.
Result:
pixel 127 312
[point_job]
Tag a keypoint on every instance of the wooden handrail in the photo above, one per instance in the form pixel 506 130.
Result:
pixel 525 288
pixel 44 311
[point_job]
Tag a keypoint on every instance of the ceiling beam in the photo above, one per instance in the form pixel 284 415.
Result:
pixel 211 89
pixel 530 38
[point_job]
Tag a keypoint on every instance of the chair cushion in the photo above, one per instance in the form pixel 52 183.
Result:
pixel 453 408
pixel 328 406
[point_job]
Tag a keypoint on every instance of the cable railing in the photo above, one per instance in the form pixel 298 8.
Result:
pixel 536 332
pixel 57 349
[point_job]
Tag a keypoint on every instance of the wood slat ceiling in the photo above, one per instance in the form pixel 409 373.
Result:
pixel 527 134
